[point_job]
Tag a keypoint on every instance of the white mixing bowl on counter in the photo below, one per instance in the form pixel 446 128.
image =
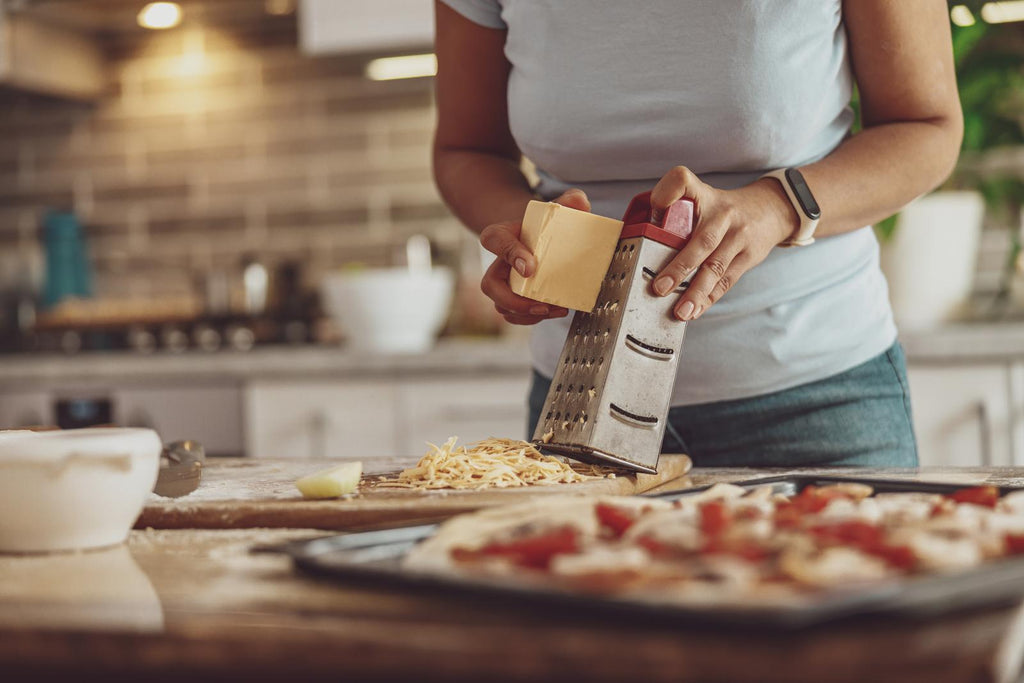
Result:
pixel 389 310
pixel 73 489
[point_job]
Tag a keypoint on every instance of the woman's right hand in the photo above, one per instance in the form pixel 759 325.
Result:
pixel 502 240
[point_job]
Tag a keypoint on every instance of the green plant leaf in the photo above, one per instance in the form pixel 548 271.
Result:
pixel 885 229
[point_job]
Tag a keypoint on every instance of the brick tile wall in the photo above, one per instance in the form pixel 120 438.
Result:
pixel 211 145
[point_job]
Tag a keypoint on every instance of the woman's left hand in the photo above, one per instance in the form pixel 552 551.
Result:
pixel 734 230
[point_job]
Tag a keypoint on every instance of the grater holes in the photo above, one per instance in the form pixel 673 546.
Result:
pixel 550 415
pixel 558 387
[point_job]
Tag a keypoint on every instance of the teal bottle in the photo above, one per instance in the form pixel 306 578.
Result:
pixel 67 263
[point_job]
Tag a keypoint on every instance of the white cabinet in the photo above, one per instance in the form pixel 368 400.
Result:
pixel 26 409
pixel 321 419
pixel 471 409
pixel 382 417
pixel 211 415
pixel 962 414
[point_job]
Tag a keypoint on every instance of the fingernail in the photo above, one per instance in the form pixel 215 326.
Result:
pixel 521 266
pixel 685 311
pixel 663 285
pixel 539 309
pixel 699 313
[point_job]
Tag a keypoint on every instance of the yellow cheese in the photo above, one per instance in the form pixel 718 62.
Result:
pixel 573 251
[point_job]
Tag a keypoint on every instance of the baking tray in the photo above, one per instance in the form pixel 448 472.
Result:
pixel 374 558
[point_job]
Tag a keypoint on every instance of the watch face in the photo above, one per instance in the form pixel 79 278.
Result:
pixel 803 194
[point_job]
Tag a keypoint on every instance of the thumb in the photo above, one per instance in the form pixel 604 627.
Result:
pixel 678 183
pixel 574 199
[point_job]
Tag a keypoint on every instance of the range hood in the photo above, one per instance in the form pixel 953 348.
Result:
pixel 49 59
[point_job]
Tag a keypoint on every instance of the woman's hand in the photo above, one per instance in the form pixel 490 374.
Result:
pixel 502 240
pixel 734 230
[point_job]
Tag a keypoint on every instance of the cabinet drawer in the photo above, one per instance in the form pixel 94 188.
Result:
pixel 211 415
pixel 962 415
pixel 321 419
pixel 471 409
pixel 26 409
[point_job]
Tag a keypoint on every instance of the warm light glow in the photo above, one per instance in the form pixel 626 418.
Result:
pixel 410 66
pixel 279 8
pixel 159 15
pixel 961 16
pixel 1002 12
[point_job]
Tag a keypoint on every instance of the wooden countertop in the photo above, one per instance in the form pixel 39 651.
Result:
pixel 196 604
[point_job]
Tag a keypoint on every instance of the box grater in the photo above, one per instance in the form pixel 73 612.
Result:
pixel 609 398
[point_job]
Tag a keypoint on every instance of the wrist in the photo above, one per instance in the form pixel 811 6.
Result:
pixel 778 213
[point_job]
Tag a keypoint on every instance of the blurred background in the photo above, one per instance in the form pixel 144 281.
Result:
pixel 217 218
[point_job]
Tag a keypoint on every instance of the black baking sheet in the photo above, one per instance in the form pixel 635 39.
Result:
pixel 375 557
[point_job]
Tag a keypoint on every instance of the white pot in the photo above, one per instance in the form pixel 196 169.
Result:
pixel 389 310
pixel 75 489
pixel 930 261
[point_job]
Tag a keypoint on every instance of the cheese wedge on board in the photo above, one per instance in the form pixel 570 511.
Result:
pixel 573 250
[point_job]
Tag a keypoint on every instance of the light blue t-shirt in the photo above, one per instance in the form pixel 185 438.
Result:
pixel 607 96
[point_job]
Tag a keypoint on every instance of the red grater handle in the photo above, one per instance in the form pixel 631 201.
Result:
pixel 673 231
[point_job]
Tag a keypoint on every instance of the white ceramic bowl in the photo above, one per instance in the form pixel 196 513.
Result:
pixel 75 489
pixel 389 310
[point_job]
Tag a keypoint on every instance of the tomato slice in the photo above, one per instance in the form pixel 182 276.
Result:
pixel 746 550
pixel 535 552
pixel 714 518
pixel 613 518
pixel 898 556
pixel 1014 543
pixel 855 533
pixel 653 546
pixel 867 538
pixel 986 496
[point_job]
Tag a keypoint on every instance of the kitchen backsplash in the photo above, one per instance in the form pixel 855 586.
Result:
pixel 210 146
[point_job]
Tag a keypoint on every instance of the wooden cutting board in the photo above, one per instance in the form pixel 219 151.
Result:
pixel 239 493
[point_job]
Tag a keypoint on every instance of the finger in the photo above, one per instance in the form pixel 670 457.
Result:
pixel 677 183
pixel 553 312
pixel 502 240
pixel 701 245
pixel 713 272
pixel 495 285
pixel 516 319
pixel 519 319
pixel 574 199
pixel 740 265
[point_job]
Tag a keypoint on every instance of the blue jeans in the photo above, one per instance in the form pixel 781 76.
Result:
pixel 857 418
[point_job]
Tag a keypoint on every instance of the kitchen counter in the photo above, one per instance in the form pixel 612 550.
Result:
pixel 192 605
pixel 449 357
pixel 952 344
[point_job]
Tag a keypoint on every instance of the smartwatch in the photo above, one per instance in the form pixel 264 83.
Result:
pixel 803 202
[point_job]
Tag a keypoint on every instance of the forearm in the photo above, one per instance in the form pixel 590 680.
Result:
pixel 481 188
pixel 875 173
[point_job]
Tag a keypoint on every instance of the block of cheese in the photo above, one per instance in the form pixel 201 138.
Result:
pixel 573 251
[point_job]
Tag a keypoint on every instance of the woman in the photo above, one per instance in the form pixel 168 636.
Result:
pixel 792 359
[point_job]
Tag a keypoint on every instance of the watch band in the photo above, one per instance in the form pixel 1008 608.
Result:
pixel 803 202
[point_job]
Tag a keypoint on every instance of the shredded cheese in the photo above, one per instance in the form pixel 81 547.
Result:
pixel 492 463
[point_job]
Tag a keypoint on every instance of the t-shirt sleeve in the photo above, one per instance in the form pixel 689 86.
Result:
pixel 484 12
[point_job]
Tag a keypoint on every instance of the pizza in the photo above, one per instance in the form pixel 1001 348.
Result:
pixel 728 542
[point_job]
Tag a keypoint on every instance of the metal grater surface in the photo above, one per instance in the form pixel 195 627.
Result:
pixel 609 398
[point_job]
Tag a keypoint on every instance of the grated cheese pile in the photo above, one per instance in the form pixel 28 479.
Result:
pixel 492 463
